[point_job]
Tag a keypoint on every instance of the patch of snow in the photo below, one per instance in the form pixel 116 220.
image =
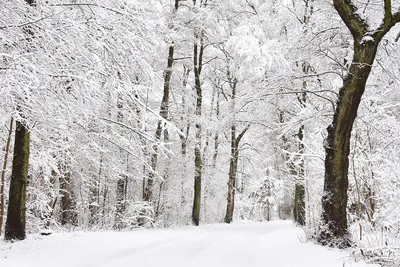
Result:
pixel 242 244
pixel 367 38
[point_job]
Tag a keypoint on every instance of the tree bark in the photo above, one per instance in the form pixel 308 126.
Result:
pixel 300 192
pixel 198 162
pixel 235 140
pixel 122 181
pixel 148 195
pixel 184 115
pixel 337 144
pixel 15 224
pixel 3 174
pixel 67 202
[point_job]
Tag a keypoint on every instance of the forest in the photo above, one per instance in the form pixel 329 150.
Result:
pixel 119 115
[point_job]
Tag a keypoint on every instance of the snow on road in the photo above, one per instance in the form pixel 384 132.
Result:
pixel 246 244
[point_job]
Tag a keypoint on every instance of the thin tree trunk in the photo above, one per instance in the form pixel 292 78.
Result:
pixel 299 200
pixel 184 114
pixel 148 195
pixel 67 202
pixel 3 174
pixel 216 138
pixel 198 163
pixel 121 182
pixel 15 224
pixel 119 224
pixel 300 192
pixel 148 189
pixel 94 197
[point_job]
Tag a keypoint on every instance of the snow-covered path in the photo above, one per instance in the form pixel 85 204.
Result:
pixel 273 244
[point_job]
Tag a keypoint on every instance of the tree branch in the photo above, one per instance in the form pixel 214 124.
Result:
pixel 388 12
pixel 388 22
pixel 348 12
pixel 239 137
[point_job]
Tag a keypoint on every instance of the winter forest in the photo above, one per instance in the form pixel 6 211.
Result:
pixel 120 115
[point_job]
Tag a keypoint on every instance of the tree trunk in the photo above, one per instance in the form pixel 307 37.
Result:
pixel 337 143
pixel 94 195
pixel 184 112
pixel 148 195
pixel 337 147
pixel 120 204
pixel 15 224
pixel 3 174
pixel 232 176
pixel 233 165
pixel 67 202
pixel 216 137
pixel 300 192
pixel 198 163
pixel 121 182
pixel 148 190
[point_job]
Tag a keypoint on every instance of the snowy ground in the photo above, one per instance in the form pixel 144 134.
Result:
pixel 273 244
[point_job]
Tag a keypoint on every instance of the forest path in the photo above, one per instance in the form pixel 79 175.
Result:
pixel 243 244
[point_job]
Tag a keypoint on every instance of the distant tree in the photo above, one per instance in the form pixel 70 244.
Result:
pixel 164 107
pixel 234 155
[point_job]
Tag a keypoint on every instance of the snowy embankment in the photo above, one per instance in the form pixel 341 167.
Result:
pixel 274 244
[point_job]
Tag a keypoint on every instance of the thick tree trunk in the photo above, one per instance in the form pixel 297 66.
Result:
pixel 337 144
pixel 337 147
pixel 15 224
pixel 3 174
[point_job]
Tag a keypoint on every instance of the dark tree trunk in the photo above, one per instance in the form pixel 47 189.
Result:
pixel 337 147
pixel 337 144
pixel 15 224
pixel 232 177
pixel 67 202
pixel 235 140
pixel 198 162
